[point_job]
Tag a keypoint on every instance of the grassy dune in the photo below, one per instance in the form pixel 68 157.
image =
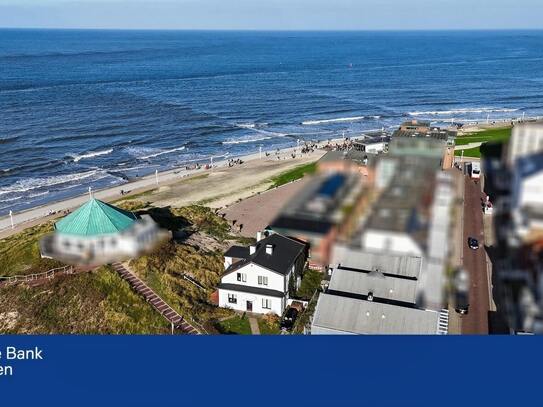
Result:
pixel 198 257
pixel 92 303
pixel 20 253
pixel 101 302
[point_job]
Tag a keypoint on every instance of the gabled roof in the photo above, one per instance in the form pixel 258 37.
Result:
pixel 95 218
pixel 238 252
pixel 285 253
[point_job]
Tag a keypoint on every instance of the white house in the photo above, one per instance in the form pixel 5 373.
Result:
pixel 257 278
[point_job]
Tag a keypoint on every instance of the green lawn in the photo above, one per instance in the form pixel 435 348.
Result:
pixel 469 152
pixel 497 135
pixel 491 136
pixel 234 326
pixel 266 329
pixel 294 174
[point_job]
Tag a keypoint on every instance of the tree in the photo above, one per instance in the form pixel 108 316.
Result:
pixel 292 286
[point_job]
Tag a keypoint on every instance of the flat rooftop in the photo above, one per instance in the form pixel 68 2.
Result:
pixel 337 314
pixel 382 286
pixel 403 265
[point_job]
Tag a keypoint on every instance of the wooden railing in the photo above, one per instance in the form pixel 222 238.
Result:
pixel 25 278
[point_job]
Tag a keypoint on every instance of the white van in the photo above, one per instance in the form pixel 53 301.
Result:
pixel 475 170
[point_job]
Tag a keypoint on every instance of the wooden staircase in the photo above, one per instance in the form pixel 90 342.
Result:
pixel 172 316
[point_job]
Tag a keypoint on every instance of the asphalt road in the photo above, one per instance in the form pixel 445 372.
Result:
pixel 474 261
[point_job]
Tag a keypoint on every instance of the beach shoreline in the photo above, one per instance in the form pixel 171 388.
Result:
pixel 148 183
pixel 168 178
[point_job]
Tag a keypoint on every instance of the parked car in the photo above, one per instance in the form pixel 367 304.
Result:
pixel 461 291
pixel 473 243
pixel 289 318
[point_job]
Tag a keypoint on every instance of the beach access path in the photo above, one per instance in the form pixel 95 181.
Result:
pixel 216 187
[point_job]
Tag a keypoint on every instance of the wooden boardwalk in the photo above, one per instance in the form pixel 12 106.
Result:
pixel 158 303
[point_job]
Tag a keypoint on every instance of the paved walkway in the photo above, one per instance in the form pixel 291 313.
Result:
pixel 258 211
pixel 469 145
pixel 255 330
pixel 152 298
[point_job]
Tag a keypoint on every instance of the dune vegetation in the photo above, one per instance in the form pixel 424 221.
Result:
pixel 97 302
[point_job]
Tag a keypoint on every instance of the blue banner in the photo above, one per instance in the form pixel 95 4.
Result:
pixel 103 371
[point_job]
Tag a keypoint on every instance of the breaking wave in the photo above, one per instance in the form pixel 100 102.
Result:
pixel 152 152
pixel 30 184
pixel 91 154
pixel 243 140
pixel 337 120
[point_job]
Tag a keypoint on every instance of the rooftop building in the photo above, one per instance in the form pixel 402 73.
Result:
pixel 422 140
pixel 336 314
pixel 315 214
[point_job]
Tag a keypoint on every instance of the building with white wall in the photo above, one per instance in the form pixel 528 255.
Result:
pixel 526 139
pixel 100 233
pixel 259 278
pixel 527 197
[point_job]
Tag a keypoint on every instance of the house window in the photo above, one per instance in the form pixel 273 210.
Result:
pixel 262 280
pixel 266 303
pixel 242 277
pixel 232 298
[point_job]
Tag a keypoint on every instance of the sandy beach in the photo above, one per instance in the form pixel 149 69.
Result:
pixel 216 187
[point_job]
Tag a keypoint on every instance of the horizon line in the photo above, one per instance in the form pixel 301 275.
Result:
pixel 272 29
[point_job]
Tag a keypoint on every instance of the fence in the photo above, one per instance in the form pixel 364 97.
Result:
pixel 25 278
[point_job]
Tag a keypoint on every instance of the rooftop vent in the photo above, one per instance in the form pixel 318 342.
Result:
pixel 370 296
pixel 269 249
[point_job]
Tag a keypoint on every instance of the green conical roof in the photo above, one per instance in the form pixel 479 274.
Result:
pixel 95 218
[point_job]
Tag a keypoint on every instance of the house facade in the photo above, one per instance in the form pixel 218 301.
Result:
pixel 260 278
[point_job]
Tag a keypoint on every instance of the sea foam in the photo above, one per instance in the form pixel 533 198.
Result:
pixel 91 154
pixel 335 120
pixel 161 152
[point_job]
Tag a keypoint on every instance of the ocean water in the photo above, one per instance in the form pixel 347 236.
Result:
pixel 97 108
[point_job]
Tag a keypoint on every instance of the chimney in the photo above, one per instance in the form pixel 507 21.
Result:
pixel 252 249
pixel 258 236
pixel 269 249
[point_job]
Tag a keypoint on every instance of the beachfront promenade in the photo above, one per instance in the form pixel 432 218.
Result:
pixel 171 178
